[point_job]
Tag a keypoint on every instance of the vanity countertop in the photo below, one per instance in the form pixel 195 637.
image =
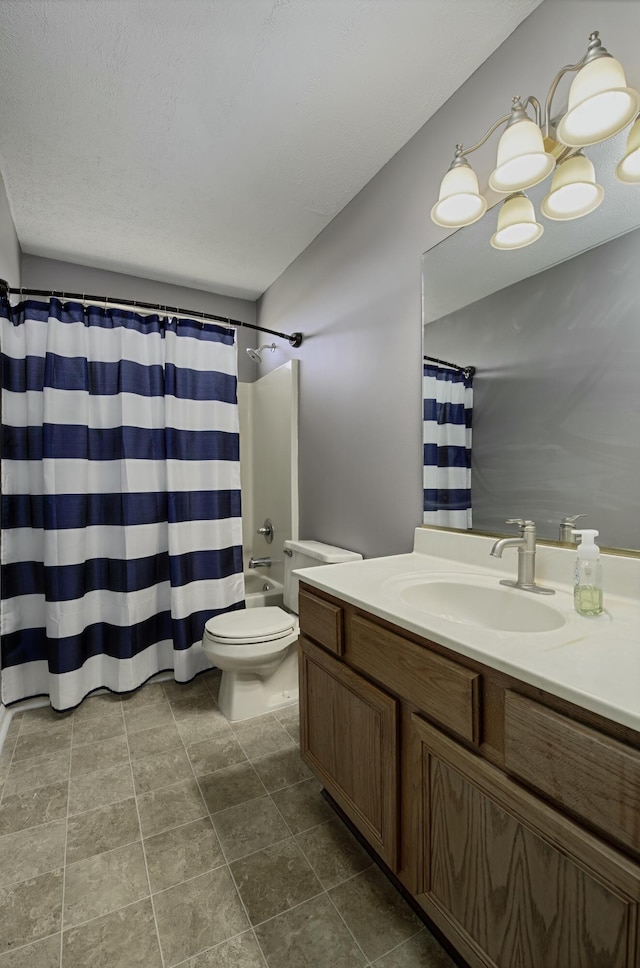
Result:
pixel 591 662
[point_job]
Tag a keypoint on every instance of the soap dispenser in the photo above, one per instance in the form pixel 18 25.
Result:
pixel 587 588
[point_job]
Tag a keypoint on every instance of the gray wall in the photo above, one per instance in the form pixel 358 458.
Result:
pixel 355 292
pixel 39 273
pixel 9 247
pixel 556 427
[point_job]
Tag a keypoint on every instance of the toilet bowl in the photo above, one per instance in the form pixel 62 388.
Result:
pixel 256 648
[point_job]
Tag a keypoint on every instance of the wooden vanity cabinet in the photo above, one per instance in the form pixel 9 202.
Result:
pixel 507 878
pixel 512 817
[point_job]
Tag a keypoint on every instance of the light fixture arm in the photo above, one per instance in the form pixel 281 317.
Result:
pixel 517 113
pixel 462 152
pixel 570 68
pixel 536 107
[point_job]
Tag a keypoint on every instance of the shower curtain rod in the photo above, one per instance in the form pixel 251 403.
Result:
pixel 467 370
pixel 295 339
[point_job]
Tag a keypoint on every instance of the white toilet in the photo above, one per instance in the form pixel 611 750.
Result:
pixel 256 648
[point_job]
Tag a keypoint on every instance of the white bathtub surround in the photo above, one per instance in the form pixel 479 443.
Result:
pixel 268 412
pixel 593 662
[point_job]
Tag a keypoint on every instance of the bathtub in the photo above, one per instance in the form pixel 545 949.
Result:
pixel 260 590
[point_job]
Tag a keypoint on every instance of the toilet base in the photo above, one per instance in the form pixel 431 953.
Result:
pixel 244 695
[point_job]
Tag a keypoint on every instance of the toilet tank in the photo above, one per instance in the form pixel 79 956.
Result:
pixel 308 554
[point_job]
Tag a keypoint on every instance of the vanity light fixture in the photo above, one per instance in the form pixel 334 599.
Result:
pixel 522 159
pixel 574 191
pixel 600 105
pixel 628 170
pixel 517 226
pixel 460 201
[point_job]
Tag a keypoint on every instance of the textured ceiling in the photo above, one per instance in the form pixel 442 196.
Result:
pixel 207 142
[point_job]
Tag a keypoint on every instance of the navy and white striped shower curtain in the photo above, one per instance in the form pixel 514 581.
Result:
pixel 448 407
pixel 121 526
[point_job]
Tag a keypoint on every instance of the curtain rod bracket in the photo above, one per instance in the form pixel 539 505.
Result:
pixel 296 340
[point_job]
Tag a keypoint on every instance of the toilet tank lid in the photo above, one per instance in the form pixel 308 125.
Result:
pixel 328 554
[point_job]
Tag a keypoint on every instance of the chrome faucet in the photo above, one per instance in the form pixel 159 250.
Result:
pixel 259 562
pixel 526 545
pixel 566 532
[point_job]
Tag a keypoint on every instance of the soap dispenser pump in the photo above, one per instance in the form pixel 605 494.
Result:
pixel 587 588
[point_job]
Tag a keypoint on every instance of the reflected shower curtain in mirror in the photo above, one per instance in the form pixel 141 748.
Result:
pixel 448 407
pixel 121 527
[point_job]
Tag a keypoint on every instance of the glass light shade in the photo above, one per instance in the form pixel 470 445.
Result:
pixel 522 161
pixel 628 169
pixel 517 224
pixel 460 202
pixel 574 191
pixel 600 104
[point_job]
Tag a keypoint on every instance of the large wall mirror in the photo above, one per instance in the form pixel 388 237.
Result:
pixel 553 331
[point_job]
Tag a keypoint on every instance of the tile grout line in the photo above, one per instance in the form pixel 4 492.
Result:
pixel 226 862
pixel 30 759
pixel 291 836
pixel 144 853
pixel 324 890
pixel 21 947
pixel 97 917
pixel 9 885
pixel 222 850
pixel 11 761
pixel 187 962
pixel 399 945
pixel 330 899
pixel 151 895
pixel 239 896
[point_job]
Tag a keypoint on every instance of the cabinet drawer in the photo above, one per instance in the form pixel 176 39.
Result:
pixel 321 621
pixel 589 773
pixel 445 691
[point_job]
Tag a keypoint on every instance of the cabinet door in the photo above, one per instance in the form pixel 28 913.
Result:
pixel 349 737
pixel 512 882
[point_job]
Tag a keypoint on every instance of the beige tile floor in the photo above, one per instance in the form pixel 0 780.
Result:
pixel 146 831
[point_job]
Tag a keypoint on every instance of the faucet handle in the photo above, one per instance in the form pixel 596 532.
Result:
pixel 572 518
pixel 521 522
pixel 266 530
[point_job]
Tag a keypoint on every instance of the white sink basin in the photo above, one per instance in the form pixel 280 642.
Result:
pixel 483 605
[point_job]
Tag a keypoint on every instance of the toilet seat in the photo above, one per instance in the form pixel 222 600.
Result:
pixel 251 626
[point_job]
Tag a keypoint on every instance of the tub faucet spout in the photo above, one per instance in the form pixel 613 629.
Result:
pixel 259 562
